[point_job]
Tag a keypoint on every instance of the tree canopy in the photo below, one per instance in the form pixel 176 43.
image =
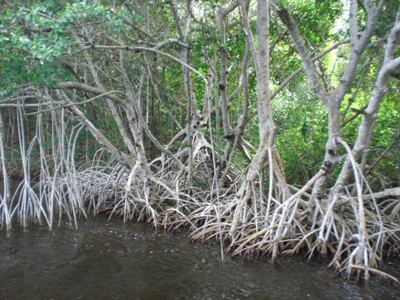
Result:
pixel 271 125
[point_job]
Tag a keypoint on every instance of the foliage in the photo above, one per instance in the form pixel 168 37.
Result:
pixel 172 90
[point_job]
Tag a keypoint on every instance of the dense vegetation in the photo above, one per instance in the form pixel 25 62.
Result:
pixel 272 126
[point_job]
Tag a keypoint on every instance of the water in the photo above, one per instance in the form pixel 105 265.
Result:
pixel 110 260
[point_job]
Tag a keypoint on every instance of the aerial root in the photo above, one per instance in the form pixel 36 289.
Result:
pixel 247 222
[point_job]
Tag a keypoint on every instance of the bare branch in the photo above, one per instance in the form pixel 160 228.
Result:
pixel 123 158
pixel 308 64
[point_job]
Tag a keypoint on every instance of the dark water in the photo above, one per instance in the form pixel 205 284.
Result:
pixel 110 260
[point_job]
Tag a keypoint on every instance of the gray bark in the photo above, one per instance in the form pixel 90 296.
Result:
pixel 332 99
pixel 365 131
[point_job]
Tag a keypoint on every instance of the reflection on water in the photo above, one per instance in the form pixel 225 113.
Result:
pixel 110 260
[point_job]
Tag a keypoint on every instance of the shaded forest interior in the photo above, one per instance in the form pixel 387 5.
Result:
pixel 272 126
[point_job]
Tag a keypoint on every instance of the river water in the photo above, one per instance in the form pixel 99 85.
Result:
pixel 112 260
